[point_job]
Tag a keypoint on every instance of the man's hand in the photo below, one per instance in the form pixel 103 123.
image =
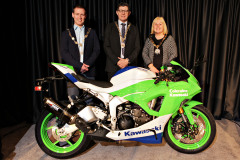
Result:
pixel 122 63
pixel 84 68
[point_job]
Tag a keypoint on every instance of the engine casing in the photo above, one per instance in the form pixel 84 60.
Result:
pixel 131 115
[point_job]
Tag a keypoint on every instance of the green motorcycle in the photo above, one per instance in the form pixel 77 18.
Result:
pixel 136 105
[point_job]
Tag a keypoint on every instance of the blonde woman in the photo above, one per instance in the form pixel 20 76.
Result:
pixel 160 47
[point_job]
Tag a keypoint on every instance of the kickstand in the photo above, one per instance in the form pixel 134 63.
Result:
pixel 152 130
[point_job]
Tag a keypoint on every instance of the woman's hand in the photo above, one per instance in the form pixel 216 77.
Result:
pixel 152 68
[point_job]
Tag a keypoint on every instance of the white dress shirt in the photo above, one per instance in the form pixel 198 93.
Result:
pixel 80 33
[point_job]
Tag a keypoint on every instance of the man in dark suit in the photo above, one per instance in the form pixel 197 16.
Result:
pixel 80 48
pixel 121 42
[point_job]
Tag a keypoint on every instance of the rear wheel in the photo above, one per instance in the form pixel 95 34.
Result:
pixel 188 138
pixel 55 144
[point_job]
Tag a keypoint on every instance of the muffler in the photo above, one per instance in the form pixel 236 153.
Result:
pixel 62 113
pixel 59 110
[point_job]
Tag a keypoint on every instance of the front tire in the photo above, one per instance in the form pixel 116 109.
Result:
pixel 56 146
pixel 194 139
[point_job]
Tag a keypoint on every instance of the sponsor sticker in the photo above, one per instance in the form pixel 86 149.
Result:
pixel 178 93
pixel 134 133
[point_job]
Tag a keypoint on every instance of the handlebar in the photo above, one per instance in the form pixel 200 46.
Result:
pixel 166 75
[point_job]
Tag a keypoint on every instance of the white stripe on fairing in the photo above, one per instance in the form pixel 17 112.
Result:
pixel 120 135
pixel 64 69
pixel 110 89
pixel 132 74
pixel 83 85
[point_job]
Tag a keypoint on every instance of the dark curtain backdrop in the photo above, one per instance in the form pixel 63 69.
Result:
pixel 203 29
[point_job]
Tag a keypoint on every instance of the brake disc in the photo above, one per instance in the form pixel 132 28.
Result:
pixel 192 135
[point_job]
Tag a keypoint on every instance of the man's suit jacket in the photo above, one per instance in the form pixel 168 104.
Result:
pixel 112 46
pixel 71 55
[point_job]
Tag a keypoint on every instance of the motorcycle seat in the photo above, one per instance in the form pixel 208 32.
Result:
pixel 102 84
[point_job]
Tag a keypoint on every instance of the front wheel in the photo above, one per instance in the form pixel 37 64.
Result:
pixel 188 138
pixel 55 144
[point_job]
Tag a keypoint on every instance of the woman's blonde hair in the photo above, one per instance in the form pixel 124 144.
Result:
pixel 165 30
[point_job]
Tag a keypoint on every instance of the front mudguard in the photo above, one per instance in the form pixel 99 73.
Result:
pixel 187 109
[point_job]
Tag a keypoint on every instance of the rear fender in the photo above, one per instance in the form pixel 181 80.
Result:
pixel 187 109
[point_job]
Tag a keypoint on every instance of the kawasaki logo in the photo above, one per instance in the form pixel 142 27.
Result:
pixel 178 93
pixel 141 132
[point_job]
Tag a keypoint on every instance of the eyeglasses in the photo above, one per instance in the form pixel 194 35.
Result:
pixel 123 11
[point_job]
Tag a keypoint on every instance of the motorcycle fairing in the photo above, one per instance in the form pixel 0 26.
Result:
pixel 187 109
pixel 139 88
pixel 154 139
pixel 136 84
pixel 145 133
pixel 123 70
pixel 131 74
pixel 68 71
pixel 143 92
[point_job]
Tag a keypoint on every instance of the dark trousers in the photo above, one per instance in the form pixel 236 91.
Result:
pixel 72 90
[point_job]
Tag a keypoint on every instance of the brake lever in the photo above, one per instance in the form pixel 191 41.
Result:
pixel 167 83
pixel 157 80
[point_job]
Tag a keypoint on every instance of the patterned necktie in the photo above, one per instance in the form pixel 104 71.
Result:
pixel 123 29
pixel 123 34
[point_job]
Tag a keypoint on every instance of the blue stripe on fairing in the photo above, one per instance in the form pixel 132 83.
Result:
pixel 149 139
pixel 71 77
pixel 124 70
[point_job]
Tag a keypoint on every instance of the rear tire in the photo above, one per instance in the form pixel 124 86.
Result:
pixel 176 136
pixel 61 147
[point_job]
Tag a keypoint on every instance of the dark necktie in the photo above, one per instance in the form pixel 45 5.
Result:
pixel 123 29
pixel 123 34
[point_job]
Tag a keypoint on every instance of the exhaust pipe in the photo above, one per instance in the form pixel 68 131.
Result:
pixel 59 111
pixel 62 113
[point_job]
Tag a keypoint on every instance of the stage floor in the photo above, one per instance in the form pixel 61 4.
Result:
pixel 225 146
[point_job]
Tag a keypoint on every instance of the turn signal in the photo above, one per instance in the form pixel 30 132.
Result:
pixel 181 110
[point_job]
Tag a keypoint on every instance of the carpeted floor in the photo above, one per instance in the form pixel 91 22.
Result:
pixel 225 146
pixel 10 136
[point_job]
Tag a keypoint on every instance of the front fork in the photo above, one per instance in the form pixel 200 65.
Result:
pixel 186 108
pixel 181 111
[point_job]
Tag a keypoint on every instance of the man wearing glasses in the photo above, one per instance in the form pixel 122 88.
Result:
pixel 121 42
